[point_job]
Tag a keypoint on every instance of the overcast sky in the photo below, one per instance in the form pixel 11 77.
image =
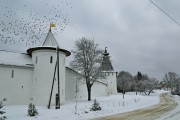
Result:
pixel 138 36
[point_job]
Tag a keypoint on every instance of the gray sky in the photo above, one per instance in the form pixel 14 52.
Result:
pixel 139 36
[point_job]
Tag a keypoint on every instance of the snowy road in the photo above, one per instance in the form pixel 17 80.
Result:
pixel 155 112
pixel 174 114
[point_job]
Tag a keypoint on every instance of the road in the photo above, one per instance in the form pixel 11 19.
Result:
pixel 174 114
pixel 151 113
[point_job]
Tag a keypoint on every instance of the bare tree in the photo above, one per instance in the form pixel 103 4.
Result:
pixel 124 80
pixel 87 59
pixel 150 84
pixel 142 83
pixel 171 78
pixel 178 87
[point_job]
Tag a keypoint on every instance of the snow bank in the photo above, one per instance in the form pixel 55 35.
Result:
pixel 111 105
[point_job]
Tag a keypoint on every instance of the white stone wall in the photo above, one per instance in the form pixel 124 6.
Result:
pixel 70 88
pixel 98 88
pixel 43 76
pixel 15 86
pixel 111 80
pixel 33 84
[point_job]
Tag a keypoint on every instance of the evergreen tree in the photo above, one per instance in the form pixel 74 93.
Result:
pixel 95 106
pixel 32 111
pixel 2 111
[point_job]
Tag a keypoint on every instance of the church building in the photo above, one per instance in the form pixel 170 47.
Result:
pixel 28 77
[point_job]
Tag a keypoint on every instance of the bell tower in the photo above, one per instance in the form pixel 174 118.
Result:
pixel 110 75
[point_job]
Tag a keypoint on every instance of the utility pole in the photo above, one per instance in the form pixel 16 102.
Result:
pixel 58 99
pixel 76 89
pixel 52 86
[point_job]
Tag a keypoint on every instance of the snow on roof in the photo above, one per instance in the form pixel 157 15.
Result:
pixel 15 59
pixel 30 50
pixel 100 81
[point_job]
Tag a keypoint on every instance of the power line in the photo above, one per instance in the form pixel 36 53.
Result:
pixel 165 12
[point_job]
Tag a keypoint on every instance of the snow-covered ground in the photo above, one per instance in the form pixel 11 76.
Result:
pixel 110 105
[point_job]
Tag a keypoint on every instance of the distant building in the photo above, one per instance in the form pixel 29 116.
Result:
pixel 27 77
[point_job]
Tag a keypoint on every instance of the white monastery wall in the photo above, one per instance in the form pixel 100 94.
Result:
pixel 33 83
pixel 71 77
pixel 98 88
pixel 15 83
pixel 110 79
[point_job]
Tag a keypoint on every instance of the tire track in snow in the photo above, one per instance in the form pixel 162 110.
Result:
pixel 151 113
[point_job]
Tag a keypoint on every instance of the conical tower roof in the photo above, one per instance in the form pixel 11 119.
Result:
pixel 50 40
pixel 49 43
pixel 106 63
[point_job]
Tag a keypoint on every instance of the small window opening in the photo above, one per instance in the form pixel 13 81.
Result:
pixel 51 59
pixel 36 59
pixel 12 74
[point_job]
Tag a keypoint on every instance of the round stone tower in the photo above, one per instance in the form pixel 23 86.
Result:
pixel 44 59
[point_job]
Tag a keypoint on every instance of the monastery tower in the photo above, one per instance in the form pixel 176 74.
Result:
pixel 44 59
pixel 110 74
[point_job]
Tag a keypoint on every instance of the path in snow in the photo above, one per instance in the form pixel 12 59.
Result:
pixel 166 104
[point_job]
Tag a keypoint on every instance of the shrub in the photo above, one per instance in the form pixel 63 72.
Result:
pixel 173 92
pixel 32 111
pixel 2 111
pixel 3 118
pixel 95 106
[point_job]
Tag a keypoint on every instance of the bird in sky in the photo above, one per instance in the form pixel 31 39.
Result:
pixel 23 23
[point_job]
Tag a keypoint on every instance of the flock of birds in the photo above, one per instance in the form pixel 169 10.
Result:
pixel 30 26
